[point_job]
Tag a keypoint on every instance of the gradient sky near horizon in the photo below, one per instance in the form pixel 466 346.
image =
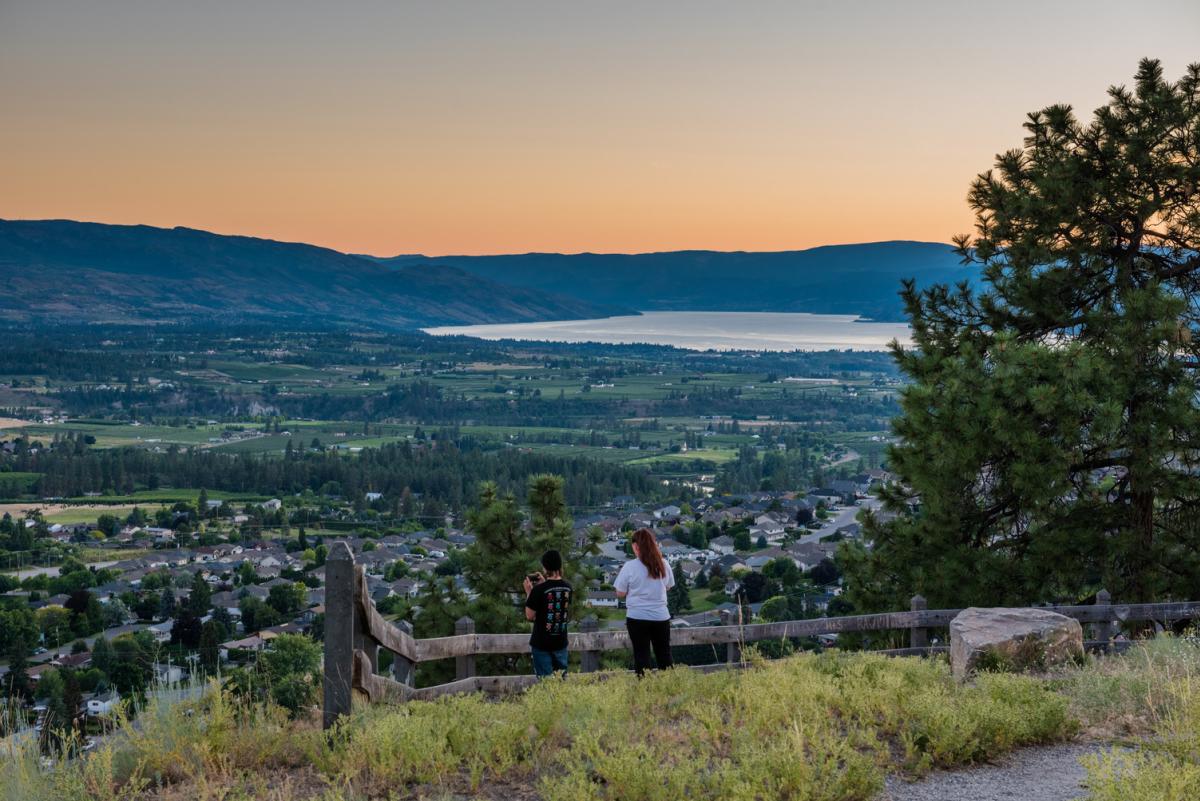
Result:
pixel 498 127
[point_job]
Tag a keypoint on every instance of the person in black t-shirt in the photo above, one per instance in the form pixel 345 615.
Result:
pixel 547 603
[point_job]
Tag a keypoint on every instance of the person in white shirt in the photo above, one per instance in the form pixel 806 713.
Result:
pixel 643 583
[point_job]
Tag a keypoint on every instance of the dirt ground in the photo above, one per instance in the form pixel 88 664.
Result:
pixel 48 509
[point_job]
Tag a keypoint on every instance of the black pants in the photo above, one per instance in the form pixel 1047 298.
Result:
pixel 647 634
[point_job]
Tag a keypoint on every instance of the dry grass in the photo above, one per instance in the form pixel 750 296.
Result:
pixel 819 728
pixel 1150 700
pixel 826 728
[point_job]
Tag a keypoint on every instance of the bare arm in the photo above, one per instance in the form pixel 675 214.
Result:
pixel 530 614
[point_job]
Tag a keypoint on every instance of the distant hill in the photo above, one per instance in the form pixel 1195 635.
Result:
pixel 73 272
pixel 64 271
pixel 838 279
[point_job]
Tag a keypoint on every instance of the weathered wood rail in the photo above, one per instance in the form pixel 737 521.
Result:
pixel 355 631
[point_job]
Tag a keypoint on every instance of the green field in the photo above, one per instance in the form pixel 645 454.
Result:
pixel 711 455
pixel 85 514
pixel 170 496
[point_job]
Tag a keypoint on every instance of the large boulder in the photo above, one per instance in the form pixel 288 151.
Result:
pixel 1012 639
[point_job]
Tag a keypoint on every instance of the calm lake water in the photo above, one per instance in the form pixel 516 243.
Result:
pixel 703 331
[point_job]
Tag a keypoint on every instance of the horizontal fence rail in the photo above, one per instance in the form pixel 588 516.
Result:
pixel 355 631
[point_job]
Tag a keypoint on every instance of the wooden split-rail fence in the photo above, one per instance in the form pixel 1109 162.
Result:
pixel 355 631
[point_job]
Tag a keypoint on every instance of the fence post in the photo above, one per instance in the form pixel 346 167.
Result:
pixel 589 659
pixel 464 666
pixel 918 636
pixel 1104 628
pixel 362 640
pixel 339 632
pixel 733 649
pixel 402 667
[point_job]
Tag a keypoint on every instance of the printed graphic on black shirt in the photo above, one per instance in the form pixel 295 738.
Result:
pixel 551 603
pixel 556 610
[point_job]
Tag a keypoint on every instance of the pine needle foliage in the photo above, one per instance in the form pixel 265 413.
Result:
pixel 1051 433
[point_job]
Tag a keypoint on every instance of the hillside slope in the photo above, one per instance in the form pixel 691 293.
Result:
pixel 838 279
pixel 64 271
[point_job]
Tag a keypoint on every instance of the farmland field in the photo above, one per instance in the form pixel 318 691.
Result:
pixel 680 416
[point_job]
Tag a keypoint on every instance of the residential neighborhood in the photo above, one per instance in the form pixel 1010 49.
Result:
pixel 216 605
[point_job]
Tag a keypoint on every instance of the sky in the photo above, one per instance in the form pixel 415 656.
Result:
pixel 501 127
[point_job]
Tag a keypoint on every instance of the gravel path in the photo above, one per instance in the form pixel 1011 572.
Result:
pixel 1031 774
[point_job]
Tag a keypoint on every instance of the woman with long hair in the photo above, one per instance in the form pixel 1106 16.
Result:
pixel 643 583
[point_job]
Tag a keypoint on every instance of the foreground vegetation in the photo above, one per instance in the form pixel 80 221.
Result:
pixel 827 727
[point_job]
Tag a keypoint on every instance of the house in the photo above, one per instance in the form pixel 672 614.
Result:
pixel 770 519
pixel 102 705
pixel 847 489
pixel 373 496
pixel 826 495
pixel 722 544
pixel 168 673
pixel 35 673
pixel 273 505
pixel 669 512
pixel 730 563
pixel 640 520
pixel 406 587
pixel 690 568
pixel 673 548
pixel 73 661
pixel 255 591
pixel 251 643
pixel 161 536
pixel 759 559
pixel 718 516
pixel 603 599
pixel 806 556
pixel 769 531
pixel 227 601
pixel 378 589
pixel 849 531
pixel 162 631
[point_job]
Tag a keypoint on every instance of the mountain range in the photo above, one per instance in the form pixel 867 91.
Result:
pixel 859 279
pixel 76 272
pixel 88 272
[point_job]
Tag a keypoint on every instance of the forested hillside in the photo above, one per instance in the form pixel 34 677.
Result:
pixel 60 271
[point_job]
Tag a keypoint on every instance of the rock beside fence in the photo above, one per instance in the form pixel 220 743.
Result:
pixel 1012 639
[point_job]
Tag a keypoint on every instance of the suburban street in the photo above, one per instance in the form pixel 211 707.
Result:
pixel 843 517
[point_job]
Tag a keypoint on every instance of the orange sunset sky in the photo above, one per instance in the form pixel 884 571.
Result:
pixel 493 127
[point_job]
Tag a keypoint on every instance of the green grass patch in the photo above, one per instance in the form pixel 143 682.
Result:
pixel 84 514
pixel 700 601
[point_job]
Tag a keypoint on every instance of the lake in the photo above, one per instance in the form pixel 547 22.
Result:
pixel 697 330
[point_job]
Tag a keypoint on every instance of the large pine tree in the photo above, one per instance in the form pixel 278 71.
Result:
pixel 1051 435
